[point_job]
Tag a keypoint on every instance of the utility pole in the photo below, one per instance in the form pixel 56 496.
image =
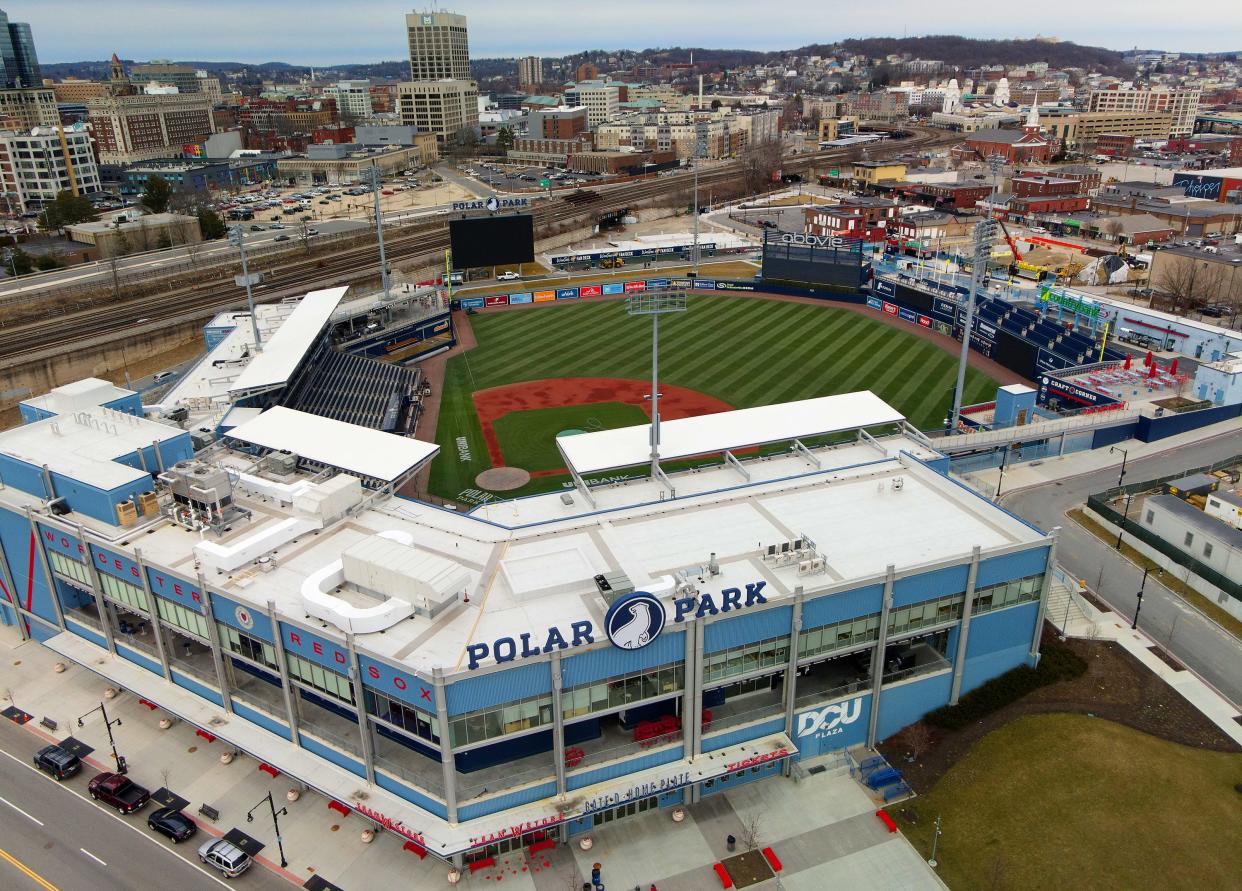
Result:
pixel 237 236
pixel 284 811
pixel 374 175
pixel 121 766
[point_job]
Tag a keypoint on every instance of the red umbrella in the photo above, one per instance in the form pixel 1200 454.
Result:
pixel 1149 358
pixel 1154 369
pixel 1128 358
pixel 1173 367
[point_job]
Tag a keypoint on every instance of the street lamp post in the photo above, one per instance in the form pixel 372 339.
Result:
pixel 1124 456
pixel 1139 605
pixel 121 766
pixel 283 812
pixel 931 861
pixel 1125 515
pixel 237 237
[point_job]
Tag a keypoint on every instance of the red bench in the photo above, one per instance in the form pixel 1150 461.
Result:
pixel 148 703
pixel 773 860
pixel 339 808
pixel 482 864
pixel 886 820
pixel 205 735
pixel 415 848
pixel 268 769
pixel 723 874
pixel 541 845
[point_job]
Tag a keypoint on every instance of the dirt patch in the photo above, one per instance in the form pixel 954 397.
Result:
pixel 675 402
pixel 1115 687
pixel 502 479
pixel 1164 657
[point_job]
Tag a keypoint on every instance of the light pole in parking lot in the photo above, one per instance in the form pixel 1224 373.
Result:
pixel 237 237
pixel 283 812
pixel 121 766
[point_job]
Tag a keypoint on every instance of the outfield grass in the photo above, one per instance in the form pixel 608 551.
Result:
pixel 1070 801
pixel 528 438
pixel 744 351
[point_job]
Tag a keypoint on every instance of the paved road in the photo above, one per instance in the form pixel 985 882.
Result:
pixel 53 831
pixel 1198 642
pixel 152 260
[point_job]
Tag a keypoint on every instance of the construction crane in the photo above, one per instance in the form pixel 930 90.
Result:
pixel 1013 246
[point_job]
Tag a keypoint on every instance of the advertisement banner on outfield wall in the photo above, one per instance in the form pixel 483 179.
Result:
pixel 614 288
pixel 923 320
pixel 472 303
pixel 887 288
pixel 874 302
pixel 735 286
pixel 947 307
pixel 890 308
pixel 496 300
pixel 544 296
pixel 654 284
pixel 908 314
pixel 590 290
pixel 680 282
pixel 566 293
pixel 521 297
pixel 704 284
pixel 631 287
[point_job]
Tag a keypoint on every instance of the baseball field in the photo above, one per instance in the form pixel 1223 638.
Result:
pixel 543 371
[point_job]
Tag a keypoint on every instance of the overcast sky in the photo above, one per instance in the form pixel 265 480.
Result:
pixel 321 32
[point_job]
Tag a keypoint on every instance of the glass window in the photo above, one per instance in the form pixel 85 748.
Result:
pixel 1207 549
pixel 335 685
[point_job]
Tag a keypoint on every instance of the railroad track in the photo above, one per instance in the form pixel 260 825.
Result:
pixel 291 275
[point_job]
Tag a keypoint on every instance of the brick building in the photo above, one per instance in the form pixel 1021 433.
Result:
pixel 955 197
pixel 143 127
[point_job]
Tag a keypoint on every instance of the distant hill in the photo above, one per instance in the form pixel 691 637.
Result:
pixel 966 52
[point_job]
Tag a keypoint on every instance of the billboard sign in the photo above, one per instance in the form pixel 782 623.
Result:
pixel 890 308
pixel 908 314
pixel 613 288
pixel 656 283
pixel 704 284
pixel 522 297
pixel 496 300
pixel 472 303
pixel 566 293
pixel 631 287
pixel 590 291
pixel 874 302
pixel 544 296
pixel 493 204
pixel 735 286
pixel 925 321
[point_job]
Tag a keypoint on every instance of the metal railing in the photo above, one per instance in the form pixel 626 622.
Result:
pixel 831 693
pixel 506 780
pixel 1042 430
pixel 430 781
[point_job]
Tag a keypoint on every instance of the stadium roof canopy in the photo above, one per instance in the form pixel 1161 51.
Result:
pixel 282 354
pixel 727 430
pixel 358 450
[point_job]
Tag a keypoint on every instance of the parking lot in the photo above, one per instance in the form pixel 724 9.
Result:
pixel 510 177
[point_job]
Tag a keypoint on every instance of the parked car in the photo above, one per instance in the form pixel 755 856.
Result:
pixel 312 231
pixel 256 228
pixel 162 376
pixel 281 238
pixel 280 226
pixel 324 201
pixel 59 762
pixel 170 822
pixel 225 856
pixel 507 276
pixel 119 791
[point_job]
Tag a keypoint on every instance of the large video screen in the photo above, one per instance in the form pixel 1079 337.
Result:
pixel 492 241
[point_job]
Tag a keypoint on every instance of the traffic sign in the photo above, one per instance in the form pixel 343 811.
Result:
pixel 545 183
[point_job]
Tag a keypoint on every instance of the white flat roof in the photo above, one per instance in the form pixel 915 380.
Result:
pixel 289 344
pixel 708 434
pixel 359 450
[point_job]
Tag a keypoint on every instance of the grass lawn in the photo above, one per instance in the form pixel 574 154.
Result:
pixel 1067 801
pixel 744 351
pixel 527 438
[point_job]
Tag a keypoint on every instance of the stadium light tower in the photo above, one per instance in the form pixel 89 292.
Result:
pixel 237 238
pixel 982 236
pixel 656 304
pixel 373 176
pixel 700 152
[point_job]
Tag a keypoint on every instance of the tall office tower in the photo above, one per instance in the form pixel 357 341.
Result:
pixel 529 71
pixel 439 47
pixel 17 55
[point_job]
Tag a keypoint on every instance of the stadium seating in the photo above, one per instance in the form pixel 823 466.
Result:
pixel 356 390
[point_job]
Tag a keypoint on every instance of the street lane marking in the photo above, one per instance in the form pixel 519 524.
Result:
pixel 92 856
pixel 27 871
pixel 22 812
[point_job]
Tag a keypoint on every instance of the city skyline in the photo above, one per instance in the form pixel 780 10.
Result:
pixel 78 30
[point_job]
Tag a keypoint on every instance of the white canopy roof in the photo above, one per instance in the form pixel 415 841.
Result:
pixel 726 430
pixel 281 354
pixel 360 450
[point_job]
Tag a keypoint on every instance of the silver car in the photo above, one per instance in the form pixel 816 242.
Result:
pixel 225 856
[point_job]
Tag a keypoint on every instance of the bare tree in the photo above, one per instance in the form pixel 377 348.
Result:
pixel 1112 227
pixel 752 828
pixel 919 739
pixel 1188 281
pixel 760 160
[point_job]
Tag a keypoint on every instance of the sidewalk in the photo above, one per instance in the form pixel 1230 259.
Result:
pixel 822 826
pixel 1099 624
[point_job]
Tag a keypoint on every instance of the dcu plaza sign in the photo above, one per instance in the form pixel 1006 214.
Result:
pixel 632 622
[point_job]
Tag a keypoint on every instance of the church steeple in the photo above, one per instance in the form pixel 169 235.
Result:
pixel 1032 119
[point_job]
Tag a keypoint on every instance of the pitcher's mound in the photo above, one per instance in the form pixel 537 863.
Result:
pixel 502 479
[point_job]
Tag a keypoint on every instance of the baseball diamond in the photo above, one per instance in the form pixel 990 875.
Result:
pixel 791 351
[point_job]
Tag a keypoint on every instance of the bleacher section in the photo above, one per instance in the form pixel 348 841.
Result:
pixel 357 390
pixel 1072 347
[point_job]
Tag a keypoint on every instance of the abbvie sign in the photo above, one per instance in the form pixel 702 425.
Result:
pixel 816 240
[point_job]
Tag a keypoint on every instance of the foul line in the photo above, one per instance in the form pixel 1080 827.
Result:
pixel 27 871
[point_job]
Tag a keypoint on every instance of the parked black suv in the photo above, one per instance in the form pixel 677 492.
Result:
pixel 171 822
pixel 57 761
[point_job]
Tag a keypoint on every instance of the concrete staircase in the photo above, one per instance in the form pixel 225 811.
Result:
pixel 1064 612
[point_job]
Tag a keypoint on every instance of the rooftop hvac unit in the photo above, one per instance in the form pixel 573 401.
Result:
pixel 200 439
pixel 126 513
pixel 177 415
pixel 898 484
pixel 148 503
pixel 612 585
pixel 804 567
pixel 282 462
pixel 817 565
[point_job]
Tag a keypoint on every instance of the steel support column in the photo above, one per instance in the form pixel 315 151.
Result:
pixel 286 685
pixel 153 613
pixel 360 706
pixel 791 670
pixel 447 765
pixel 217 649
pixel 1049 571
pixel 47 572
pixel 105 617
pixel 558 723
pixel 877 658
pixel 963 631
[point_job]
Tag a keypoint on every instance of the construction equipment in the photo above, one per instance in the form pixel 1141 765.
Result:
pixel 1013 246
